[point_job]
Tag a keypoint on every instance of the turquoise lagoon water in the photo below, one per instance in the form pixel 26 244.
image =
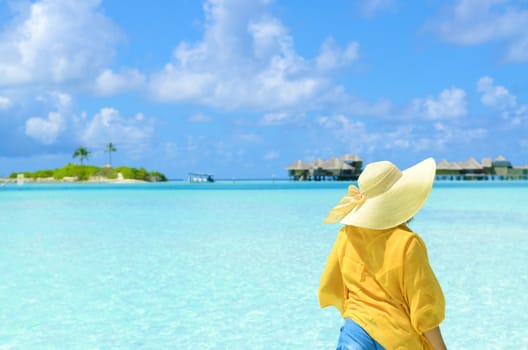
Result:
pixel 235 265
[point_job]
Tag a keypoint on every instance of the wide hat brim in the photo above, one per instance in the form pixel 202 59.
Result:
pixel 399 203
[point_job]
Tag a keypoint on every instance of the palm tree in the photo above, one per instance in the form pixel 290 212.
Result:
pixel 82 153
pixel 109 149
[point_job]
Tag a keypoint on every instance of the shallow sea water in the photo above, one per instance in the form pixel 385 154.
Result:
pixel 236 265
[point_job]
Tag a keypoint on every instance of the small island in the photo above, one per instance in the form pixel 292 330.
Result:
pixel 89 173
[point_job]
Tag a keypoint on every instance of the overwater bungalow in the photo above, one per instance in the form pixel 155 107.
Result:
pixel 501 166
pixel 299 170
pixel 348 167
pixel 448 170
pixel 489 169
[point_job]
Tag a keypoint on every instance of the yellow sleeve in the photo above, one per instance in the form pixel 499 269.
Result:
pixel 421 289
pixel 332 290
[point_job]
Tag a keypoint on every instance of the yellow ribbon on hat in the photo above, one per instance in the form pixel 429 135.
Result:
pixel 352 199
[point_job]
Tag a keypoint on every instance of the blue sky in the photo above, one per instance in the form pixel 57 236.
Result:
pixel 243 88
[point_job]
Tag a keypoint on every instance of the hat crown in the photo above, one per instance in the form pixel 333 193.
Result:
pixel 378 177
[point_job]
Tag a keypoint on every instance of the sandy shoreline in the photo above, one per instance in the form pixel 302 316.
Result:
pixel 93 179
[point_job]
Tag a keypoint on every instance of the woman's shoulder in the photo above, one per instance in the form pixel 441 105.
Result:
pixel 400 235
pixel 405 235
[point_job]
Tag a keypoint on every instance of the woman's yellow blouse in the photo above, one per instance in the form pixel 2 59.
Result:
pixel 382 280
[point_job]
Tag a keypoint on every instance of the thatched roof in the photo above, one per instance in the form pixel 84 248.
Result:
pixel 336 164
pixel 445 165
pixel 442 165
pixel 318 163
pixel 299 165
pixel 471 164
pixel 351 158
pixel 486 162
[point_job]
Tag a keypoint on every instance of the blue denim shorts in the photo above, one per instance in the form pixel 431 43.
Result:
pixel 353 337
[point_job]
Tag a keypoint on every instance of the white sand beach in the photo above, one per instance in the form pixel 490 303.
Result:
pixel 92 179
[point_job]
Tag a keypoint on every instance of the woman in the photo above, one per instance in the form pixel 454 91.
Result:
pixel 378 274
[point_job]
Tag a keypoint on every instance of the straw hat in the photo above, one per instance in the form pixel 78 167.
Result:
pixel 386 196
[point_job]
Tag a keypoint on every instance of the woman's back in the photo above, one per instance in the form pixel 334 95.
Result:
pixel 378 274
pixel 380 291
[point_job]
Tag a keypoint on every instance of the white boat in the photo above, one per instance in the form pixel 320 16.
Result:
pixel 196 177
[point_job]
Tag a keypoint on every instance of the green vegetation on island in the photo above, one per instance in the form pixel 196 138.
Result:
pixel 87 172
pixel 81 172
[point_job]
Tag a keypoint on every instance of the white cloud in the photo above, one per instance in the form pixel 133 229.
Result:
pixel 495 95
pixel 473 22
pixel 499 98
pixel 450 103
pixel 353 134
pixel 199 118
pixel 371 7
pixel 60 99
pixel 269 36
pixel 5 102
pixel 332 56
pixel 279 118
pixel 271 155
pixel 56 41
pixel 337 99
pixel 406 138
pixel 338 121
pixel 410 137
pixel 417 138
pixel 178 152
pixel 250 137
pixel 245 59
pixel 110 83
pixel 274 118
pixel 174 84
pixel 108 125
pixel 45 130
pixel 454 135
